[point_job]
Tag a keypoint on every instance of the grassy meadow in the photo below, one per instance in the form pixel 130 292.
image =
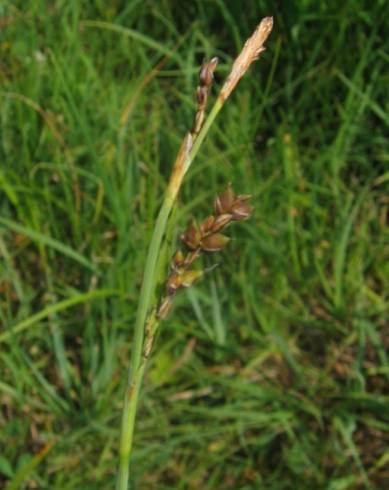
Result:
pixel 272 372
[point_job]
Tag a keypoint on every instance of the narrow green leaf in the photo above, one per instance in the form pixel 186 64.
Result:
pixel 61 305
pixel 49 242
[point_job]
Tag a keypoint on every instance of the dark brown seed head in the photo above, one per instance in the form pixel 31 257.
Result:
pixel 207 225
pixel 178 260
pixel 224 202
pixel 221 222
pixel 214 243
pixel 189 277
pixel 174 282
pixel 191 237
pixel 241 209
pixel 201 95
pixel 207 71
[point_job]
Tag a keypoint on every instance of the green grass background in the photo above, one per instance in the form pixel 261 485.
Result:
pixel 271 373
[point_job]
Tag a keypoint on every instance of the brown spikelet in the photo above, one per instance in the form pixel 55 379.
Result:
pixel 250 52
pixel 199 239
pixel 205 82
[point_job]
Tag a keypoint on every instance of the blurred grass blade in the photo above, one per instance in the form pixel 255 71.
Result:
pixel 28 468
pixel 373 106
pixel 341 249
pixel 60 306
pixel 192 295
pixel 137 36
pixel 49 242
pixel 220 329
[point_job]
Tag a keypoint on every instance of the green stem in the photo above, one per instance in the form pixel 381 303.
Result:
pixel 204 131
pixel 146 296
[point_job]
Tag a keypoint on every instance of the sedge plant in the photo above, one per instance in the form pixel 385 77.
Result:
pixel 205 238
